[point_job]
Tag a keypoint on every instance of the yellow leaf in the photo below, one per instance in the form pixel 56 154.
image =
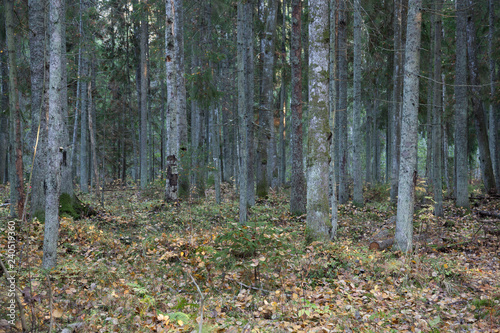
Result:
pixel 180 322
pixel 57 313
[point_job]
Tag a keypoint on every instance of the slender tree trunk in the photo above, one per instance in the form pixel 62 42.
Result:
pixel 243 112
pixel 342 109
pixel 84 138
pixel 171 186
pixel 215 151
pixel 356 114
pixel 318 163
pixel 4 105
pixel 437 141
pixel 409 130
pixel 283 100
pixel 16 153
pixel 144 96
pixel 494 110
pixel 477 105
pixel 39 79
pixel 396 99
pixel 249 100
pixel 298 182
pixel 332 89
pixel 55 137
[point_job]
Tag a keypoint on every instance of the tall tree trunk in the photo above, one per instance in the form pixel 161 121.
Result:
pixel 4 105
pixel 332 93
pixel 249 100
pixel 55 137
pixel 243 112
pixel 16 152
pixel 183 186
pixel 144 95
pixel 283 100
pixel 342 109
pixel 356 113
pixel 171 187
pixel 318 164
pixel 265 164
pixel 494 110
pixel 477 105
pixel 298 182
pixel 84 137
pixel 437 141
pixel 39 84
pixel 409 130
pixel 396 99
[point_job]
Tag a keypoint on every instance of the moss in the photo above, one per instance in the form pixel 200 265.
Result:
pixel 69 206
pixel 39 215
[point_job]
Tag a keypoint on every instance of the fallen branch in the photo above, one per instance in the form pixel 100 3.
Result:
pixel 202 299
pixel 486 213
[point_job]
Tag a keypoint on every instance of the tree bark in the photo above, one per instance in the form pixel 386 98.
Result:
pixel 84 137
pixel 356 112
pixel 318 163
pixel 409 138
pixel 144 95
pixel 477 105
pixel 16 153
pixel 396 99
pixel 437 102
pixel 266 152
pixel 298 182
pixel 342 109
pixel 55 124
pixel 332 94
pixel 4 105
pixel 39 79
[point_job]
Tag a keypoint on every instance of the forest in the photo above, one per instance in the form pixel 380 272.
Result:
pixel 249 166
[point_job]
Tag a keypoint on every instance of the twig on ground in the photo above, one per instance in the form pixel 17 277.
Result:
pixel 202 299
pixel 18 300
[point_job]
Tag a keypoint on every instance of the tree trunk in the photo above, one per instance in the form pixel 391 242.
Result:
pixel 332 94
pixel 342 109
pixel 144 95
pixel 183 186
pixel 16 153
pixel 55 137
pixel 84 138
pixel 265 165
pixel 249 100
pixel 494 110
pixel 409 130
pixel 396 99
pixel 477 105
pixel 172 99
pixel 39 84
pixel 318 163
pixel 298 182
pixel 243 112
pixel 356 113
pixel 437 102
pixel 4 105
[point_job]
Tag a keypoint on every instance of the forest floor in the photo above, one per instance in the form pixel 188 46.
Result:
pixel 141 265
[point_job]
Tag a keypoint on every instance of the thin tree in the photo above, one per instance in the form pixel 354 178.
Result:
pixel 461 170
pixel 331 104
pixel 356 112
pixel 477 104
pixel 298 182
pixel 55 124
pixel 16 152
pixel 39 79
pixel 144 94
pixel 494 110
pixel 342 104
pixel 409 130
pixel 318 163
pixel 437 102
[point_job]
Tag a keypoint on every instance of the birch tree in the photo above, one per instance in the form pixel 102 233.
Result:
pixel 318 163
pixel 409 129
